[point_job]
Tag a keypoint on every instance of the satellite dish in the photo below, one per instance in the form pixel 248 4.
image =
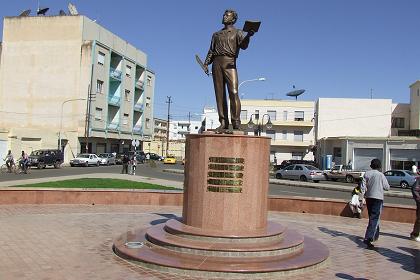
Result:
pixel 72 9
pixel 295 92
pixel 42 11
pixel 62 13
pixel 25 13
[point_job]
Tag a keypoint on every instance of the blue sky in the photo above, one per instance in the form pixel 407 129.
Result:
pixel 331 48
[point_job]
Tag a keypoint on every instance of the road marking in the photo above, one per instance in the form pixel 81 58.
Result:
pixel 292 192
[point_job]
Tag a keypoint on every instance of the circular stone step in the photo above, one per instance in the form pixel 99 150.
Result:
pixel 292 243
pixel 154 256
pixel 273 231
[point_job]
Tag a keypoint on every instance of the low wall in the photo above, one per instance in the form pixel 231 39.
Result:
pixel 335 207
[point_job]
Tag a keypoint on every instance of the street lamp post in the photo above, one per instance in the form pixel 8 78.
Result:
pixel 61 118
pixel 260 124
pixel 251 80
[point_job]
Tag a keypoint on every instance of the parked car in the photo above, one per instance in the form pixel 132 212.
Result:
pixel 154 156
pixel 140 156
pixel 106 158
pixel 343 172
pixel 402 178
pixel 85 160
pixel 302 172
pixel 169 160
pixel 286 163
pixel 45 157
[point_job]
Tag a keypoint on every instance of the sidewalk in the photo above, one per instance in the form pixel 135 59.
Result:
pixel 321 186
pixel 74 242
pixel 135 178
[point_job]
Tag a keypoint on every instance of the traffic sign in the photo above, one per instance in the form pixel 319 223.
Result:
pixel 135 142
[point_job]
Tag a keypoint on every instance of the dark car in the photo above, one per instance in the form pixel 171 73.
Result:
pixel 44 158
pixel 140 156
pixel 286 163
pixel 154 156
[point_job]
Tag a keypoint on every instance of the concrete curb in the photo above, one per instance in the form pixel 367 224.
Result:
pixel 320 186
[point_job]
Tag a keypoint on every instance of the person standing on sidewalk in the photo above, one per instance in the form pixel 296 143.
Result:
pixel 414 235
pixel 373 186
pixel 125 161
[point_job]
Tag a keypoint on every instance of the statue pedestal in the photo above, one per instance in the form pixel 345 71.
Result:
pixel 226 184
pixel 224 230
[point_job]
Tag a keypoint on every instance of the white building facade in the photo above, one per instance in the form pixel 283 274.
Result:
pixel 355 131
pixel 292 131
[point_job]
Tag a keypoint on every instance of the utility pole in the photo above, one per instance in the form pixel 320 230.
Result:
pixel 91 97
pixel 169 101
pixel 371 93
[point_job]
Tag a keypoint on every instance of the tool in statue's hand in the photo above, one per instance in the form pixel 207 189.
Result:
pixel 204 67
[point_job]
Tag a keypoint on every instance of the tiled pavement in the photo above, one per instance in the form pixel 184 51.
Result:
pixel 74 242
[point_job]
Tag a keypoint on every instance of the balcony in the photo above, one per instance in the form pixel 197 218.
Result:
pixel 114 100
pixel 113 126
pixel 140 84
pixel 293 123
pixel 291 143
pixel 138 107
pixel 137 129
pixel 115 74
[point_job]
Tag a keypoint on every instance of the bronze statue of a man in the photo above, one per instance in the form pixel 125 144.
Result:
pixel 223 52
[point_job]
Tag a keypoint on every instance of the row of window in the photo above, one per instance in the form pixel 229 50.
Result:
pixel 101 61
pixel 127 93
pixel 298 115
pixel 125 118
pixel 297 135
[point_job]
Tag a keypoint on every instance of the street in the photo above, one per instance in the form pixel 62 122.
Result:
pixel 157 172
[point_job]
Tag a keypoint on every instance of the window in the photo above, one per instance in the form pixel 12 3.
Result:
pixel 147 123
pixel 101 58
pixel 272 115
pixel 284 135
pixel 244 114
pixel 284 115
pixel 98 113
pixel 257 114
pixel 397 123
pixel 127 95
pixel 299 116
pixel 128 71
pixel 337 152
pixel 99 86
pixel 297 155
pixel 125 119
pixel 290 167
pixel 148 102
pixel 298 136
pixel 271 134
pixel 298 167
pixel 149 81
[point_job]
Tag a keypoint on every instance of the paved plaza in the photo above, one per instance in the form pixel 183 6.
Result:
pixel 74 242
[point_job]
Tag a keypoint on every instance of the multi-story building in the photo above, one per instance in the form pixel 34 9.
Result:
pixel 55 71
pixel 292 131
pixel 178 129
pixel 354 131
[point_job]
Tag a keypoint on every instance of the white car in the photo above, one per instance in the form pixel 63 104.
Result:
pixel 106 158
pixel 85 160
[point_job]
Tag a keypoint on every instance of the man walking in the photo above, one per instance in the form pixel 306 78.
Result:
pixel 373 185
pixel 223 52
pixel 416 195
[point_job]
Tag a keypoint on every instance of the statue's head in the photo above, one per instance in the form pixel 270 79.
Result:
pixel 229 17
